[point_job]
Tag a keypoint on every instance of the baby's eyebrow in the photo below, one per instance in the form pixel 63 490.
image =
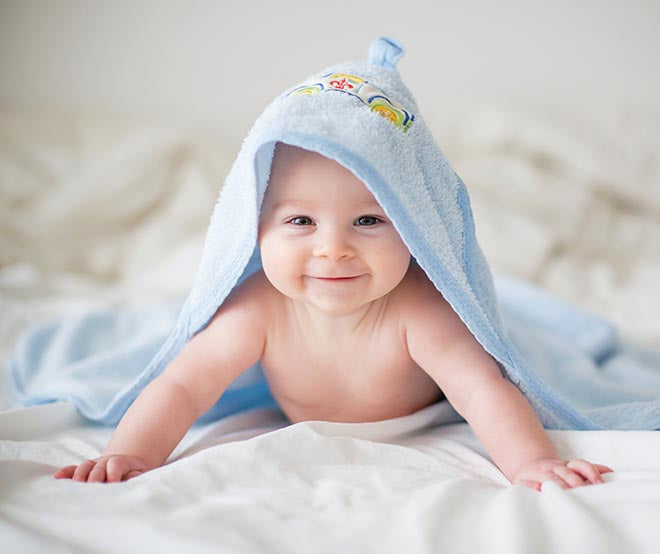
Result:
pixel 290 204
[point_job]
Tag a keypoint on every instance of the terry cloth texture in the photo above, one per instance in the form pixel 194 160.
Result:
pixel 569 365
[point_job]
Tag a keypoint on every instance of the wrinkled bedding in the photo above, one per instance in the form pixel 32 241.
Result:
pixel 397 486
pixel 568 201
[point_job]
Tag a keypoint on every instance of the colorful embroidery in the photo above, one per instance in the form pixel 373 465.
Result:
pixel 361 88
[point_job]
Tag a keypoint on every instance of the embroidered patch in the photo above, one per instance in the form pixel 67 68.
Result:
pixel 361 88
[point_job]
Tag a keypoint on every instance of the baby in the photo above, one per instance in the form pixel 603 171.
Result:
pixel 347 327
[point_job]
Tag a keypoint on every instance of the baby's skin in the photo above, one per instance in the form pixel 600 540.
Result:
pixel 347 328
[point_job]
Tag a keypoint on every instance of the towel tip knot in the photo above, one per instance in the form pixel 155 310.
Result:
pixel 385 52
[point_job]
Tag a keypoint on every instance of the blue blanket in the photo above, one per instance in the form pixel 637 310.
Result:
pixel 570 365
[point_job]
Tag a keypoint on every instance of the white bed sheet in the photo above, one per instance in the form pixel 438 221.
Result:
pixel 252 484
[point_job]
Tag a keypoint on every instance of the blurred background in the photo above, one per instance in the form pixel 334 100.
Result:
pixel 217 64
pixel 119 121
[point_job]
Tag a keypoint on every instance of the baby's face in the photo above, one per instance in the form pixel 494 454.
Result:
pixel 324 239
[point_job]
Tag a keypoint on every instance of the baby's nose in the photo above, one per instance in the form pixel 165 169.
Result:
pixel 333 244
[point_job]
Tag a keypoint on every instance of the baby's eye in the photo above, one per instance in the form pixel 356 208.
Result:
pixel 301 220
pixel 367 220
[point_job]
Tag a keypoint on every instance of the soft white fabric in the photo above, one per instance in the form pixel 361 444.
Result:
pixel 397 486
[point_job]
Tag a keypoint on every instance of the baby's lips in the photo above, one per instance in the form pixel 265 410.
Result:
pixel 338 278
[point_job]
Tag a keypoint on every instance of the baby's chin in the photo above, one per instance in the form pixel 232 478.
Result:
pixel 332 298
pixel 338 306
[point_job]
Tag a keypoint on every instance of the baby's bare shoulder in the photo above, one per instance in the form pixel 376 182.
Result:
pixel 233 340
pixel 416 292
pixel 423 307
pixel 436 337
pixel 253 298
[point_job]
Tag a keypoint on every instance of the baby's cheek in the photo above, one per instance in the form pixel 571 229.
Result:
pixel 394 256
pixel 281 270
pixel 268 260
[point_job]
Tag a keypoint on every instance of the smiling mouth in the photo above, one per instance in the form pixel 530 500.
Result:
pixel 337 279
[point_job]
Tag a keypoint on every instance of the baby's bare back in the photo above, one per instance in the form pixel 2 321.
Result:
pixel 335 370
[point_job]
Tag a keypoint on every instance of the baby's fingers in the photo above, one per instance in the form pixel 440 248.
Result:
pixel 589 471
pixel 65 472
pixel 83 470
pixel 97 475
pixel 569 476
pixel 120 468
pixel 529 484
pixel 116 468
pixel 558 480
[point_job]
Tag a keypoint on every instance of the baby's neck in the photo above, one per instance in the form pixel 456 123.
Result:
pixel 314 320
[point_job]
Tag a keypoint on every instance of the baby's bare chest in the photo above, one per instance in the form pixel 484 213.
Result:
pixel 359 377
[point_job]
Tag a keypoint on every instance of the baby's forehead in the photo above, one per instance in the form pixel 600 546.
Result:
pixel 287 157
pixel 297 172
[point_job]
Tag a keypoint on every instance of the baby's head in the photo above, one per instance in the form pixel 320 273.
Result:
pixel 324 240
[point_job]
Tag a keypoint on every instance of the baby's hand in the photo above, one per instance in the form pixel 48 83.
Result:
pixel 111 469
pixel 567 474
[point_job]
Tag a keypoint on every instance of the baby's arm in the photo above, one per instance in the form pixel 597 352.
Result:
pixel 498 413
pixel 164 411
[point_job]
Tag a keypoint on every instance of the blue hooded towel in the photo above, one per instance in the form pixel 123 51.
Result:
pixel 570 365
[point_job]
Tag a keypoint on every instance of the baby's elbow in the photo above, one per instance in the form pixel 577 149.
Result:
pixel 181 397
pixel 482 391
